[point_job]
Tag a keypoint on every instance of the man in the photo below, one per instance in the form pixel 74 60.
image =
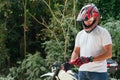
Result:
pixel 93 45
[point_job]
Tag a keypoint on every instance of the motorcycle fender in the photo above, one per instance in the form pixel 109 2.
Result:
pixel 47 74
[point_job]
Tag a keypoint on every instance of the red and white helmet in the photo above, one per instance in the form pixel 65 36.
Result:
pixel 89 11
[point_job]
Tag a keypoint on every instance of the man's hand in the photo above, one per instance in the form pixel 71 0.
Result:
pixel 82 60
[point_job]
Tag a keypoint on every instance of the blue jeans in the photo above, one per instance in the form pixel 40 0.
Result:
pixel 84 75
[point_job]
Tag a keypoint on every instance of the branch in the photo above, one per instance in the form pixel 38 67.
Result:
pixel 46 26
pixel 24 26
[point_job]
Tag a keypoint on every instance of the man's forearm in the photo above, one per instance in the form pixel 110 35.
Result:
pixel 107 53
pixel 74 56
pixel 103 56
pixel 75 53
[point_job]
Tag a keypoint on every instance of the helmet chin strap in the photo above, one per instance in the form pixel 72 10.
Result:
pixel 91 29
pixel 86 27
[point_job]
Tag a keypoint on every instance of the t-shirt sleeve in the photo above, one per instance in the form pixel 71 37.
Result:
pixel 106 38
pixel 77 43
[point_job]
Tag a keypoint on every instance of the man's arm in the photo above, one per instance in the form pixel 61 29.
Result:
pixel 75 53
pixel 106 54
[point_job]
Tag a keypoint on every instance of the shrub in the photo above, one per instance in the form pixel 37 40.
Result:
pixel 29 69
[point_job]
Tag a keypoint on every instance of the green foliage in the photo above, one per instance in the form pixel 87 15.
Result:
pixel 106 7
pixel 29 69
pixel 6 78
pixel 4 57
pixel 61 32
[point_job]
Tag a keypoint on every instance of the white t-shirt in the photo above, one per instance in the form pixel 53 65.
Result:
pixel 92 44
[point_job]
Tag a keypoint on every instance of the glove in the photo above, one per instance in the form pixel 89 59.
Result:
pixel 66 66
pixel 77 62
pixel 82 60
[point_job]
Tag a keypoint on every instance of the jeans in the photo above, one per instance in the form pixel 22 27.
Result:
pixel 85 75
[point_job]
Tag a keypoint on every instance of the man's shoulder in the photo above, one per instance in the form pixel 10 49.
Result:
pixel 102 29
pixel 80 32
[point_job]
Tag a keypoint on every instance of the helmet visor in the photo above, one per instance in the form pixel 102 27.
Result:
pixel 82 16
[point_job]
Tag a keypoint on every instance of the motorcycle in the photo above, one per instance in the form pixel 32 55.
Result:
pixel 60 72
pixel 65 72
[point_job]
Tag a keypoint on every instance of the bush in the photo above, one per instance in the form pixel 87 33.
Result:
pixel 29 69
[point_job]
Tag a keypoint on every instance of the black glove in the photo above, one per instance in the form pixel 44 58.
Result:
pixel 81 60
pixel 87 59
pixel 66 66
